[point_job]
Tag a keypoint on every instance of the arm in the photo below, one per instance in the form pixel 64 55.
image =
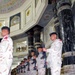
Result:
pixel 55 46
pixel 47 50
pixel 58 46
pixel 44 55
pixel 4 46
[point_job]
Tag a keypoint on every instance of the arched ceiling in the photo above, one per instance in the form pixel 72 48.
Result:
pixel 7 6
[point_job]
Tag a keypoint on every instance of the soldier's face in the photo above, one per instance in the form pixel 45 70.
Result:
pixel 4 32
pixel 32 53
pixel 39 49
pixel 28 60
pixel 53 37
pixel 25 60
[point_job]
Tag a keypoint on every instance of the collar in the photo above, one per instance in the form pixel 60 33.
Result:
pixel 40 52
pixel 5 37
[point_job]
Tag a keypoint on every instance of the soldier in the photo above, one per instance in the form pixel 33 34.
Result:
pixel 55 52
pixel 32 63
pixel 28 65
pixel 17 70
pixel 25 66
pixel 41 61
pixel 22 68
pixel 6 50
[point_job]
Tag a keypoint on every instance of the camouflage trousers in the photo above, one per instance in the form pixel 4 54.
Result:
pixel 41 71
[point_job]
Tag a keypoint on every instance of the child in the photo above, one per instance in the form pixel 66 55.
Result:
pixel 41 61
pixel 28 65
pixel 22 68
pixel 25 66
pixel 32 63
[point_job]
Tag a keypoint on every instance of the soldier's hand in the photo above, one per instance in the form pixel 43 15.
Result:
pixel 44 49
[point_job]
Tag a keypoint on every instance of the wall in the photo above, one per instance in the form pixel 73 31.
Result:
pixel 30 15
pixel 47 30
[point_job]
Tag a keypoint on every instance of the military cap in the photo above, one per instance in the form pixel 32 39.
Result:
pixel 53 33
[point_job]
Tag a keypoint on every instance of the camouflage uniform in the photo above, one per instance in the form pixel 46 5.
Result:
pixel 54 57
pixel 6 57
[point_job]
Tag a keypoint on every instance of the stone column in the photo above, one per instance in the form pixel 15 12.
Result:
pixel 0 39
pixel 67 34
pixel 37 33
pixel 30 40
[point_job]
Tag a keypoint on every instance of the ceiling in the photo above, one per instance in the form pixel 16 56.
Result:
pixel 7 6
pixel 47 16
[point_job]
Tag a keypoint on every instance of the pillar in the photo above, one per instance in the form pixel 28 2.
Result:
pixel 66 26
pixel 37 35
pixel 0 39
pixel 30 40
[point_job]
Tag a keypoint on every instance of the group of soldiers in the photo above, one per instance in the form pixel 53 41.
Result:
pixel 34 64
